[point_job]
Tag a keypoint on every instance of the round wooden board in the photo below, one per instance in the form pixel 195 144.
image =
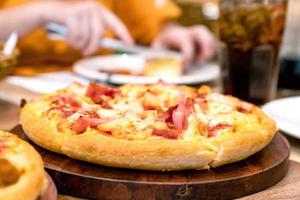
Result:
pixel 85 180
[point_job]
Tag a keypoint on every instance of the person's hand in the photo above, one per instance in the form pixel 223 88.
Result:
pixel 196 43
pixel 87 22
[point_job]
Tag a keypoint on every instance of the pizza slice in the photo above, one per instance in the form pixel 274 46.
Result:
pixel 22 173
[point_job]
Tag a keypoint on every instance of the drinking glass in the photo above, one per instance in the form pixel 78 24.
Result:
pixel 251 32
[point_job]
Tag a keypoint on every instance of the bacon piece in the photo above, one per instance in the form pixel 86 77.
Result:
pixel 66 104
pixel 182 112
pixel 244 107
pixel 66 101
pixel 170 134
pixel 2 144
pixel 67 113
pixel 177 116
pixel 212 131
pixel 82 123
pixel 189 106
pixel 96 92
pixel 108 132
pixel 167 116
pixel 93 114
pixel 2 148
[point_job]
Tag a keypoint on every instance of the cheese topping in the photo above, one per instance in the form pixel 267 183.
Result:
pixel 135 111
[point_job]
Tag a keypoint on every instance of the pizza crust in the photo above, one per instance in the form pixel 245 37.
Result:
pixel 39 128
pixel 32 181
pixel 232 148
pixel 151 154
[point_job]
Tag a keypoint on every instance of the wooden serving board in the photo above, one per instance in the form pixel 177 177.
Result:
pixel 85 180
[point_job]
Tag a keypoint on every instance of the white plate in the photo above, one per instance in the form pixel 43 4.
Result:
pixel 286 113
pixel 90 68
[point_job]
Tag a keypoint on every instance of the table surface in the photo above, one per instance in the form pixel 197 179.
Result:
pixel 288 188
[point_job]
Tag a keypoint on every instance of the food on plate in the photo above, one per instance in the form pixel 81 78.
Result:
pixel 22 173
pixel 163 67
pixel 152 126
pixel 156 67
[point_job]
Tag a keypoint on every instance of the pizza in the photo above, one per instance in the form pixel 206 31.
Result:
pixel 153 126
pixel 22 173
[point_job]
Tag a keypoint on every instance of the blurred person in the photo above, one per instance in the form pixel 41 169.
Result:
pixel 148 22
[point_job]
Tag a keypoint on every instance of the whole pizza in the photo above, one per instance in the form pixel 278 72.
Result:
pixel 22 173
pixel 152 127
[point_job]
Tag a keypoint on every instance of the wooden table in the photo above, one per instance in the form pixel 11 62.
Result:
pixel 288 188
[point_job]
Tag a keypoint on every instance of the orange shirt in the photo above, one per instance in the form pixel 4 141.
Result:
pixel 143 18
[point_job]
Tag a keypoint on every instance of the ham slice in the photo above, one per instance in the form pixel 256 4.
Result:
pixel 67 113
pixel 66 104
pixel 212 131
pixel 82 123
pixel 177 116
pixel 66 101
pixel 96 92
pixel 244 107
pixel 182 112
pixel 2 144
pixel 167 116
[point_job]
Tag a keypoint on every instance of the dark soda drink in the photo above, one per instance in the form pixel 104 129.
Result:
pixel 251 33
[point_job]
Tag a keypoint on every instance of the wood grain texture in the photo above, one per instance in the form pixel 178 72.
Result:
pixel 85 180
pixel 286 189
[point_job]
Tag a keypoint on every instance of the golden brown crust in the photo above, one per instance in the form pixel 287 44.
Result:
pixel 39 128
pixel 23 157
pixel 232 148
pixel 152 153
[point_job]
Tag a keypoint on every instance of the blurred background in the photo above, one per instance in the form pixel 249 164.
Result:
pixel 194 12
pixel 207 12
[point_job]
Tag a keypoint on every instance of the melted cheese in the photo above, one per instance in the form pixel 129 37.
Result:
pixel 74 117
pixel 77 89
pixel 192 131
pixel 131 106
pixel 200 115
pixel 217 107
pixel 109 113
pixel 130 121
